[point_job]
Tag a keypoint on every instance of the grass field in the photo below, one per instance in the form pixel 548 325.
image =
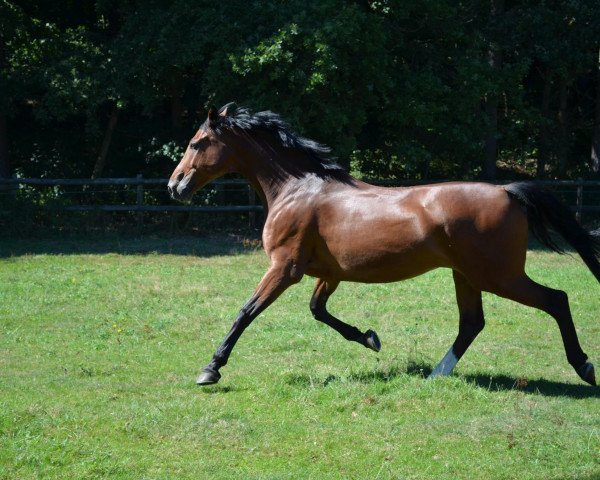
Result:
pixel 101 341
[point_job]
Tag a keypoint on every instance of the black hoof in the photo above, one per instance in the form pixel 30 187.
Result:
pixel 372 340
pixel 586 372
pixel 208 376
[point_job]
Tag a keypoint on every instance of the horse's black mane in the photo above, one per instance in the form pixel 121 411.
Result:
pixel 243 119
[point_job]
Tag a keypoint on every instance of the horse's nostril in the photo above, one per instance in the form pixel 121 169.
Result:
pixel 180 176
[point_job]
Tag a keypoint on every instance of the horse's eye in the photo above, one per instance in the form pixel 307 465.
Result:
pixel 198 143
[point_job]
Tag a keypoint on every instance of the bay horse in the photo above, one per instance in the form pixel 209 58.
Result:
pixel 324 223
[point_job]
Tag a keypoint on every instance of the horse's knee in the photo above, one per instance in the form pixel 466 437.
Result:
pixel 243 319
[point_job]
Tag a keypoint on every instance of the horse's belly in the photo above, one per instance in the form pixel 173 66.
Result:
pixel 389 267
pixel 376 264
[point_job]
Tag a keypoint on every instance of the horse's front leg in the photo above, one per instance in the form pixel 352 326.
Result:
pixel 318 307
pixel 279 277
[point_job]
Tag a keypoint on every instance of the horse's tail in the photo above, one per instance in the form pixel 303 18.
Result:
pixel 545 211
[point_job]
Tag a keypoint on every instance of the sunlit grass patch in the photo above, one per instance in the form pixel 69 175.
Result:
pixel 99 352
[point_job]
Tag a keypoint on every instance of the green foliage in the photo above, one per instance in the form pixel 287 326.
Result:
pixel 377 164
pixel 308 70
pixel 404 81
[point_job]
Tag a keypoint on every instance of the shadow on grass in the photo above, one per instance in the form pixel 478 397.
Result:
pixel 412 368
pixel 212 389
pixel 379 375
pixel 199 246
pixel 547 388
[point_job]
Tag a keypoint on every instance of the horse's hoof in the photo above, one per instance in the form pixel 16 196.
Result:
pixel 208 376
pixel 372 340
pixel 586 372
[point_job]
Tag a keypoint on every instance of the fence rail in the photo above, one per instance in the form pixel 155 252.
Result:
pixel 140 183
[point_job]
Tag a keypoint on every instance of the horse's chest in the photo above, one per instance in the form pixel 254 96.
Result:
pixel 285 240
pixel 286 228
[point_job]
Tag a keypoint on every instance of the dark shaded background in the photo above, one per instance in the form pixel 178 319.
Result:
pixel 399 89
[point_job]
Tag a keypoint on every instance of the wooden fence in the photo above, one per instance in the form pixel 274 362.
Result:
pixel 578 187
pixel 140 183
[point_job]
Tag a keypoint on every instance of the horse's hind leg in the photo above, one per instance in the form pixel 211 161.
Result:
pixel 556 303
pixel 318 303
pixel 471 322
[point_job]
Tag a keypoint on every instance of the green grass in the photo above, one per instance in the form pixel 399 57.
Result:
pixel 100 343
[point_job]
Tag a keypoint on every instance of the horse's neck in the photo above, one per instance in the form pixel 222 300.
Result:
pixel 265 168
pixel 268 184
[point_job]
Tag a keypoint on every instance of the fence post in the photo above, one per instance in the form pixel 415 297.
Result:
pixel 140 200
pixel 579 199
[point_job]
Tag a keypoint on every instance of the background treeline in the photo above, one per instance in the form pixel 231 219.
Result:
pixel 398 89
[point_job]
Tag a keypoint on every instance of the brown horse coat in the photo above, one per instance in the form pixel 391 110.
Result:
pixel 324 223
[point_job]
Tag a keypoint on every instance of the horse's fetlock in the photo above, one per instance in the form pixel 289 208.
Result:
pixel 577 360
pixel 218 361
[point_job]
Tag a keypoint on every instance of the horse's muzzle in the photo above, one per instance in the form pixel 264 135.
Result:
pixel 180 189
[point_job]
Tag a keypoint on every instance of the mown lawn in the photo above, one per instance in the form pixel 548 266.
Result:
pixel 101 341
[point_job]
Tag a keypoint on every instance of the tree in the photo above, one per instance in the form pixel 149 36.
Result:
pixel 595 155
pixel 491 100
pixel 559 39
pixel 4 158
pixel 407 89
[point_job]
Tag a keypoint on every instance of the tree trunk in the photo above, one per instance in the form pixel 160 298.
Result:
pixel 4 156
pixel 596 131
pixel 176 93
pixel 491 140
pixel 563 122
pixel 491 102
pixel 102 156
pixel 176 113
pixel 544 137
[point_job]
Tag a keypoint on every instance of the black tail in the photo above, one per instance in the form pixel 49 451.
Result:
pixel 545 211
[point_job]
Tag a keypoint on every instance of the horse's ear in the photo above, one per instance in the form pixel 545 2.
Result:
pixel 213 115
pixel 228 110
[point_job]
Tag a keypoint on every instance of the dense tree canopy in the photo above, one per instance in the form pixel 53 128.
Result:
pixel 398 89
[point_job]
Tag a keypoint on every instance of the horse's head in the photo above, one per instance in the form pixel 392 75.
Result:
pixel 205 159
